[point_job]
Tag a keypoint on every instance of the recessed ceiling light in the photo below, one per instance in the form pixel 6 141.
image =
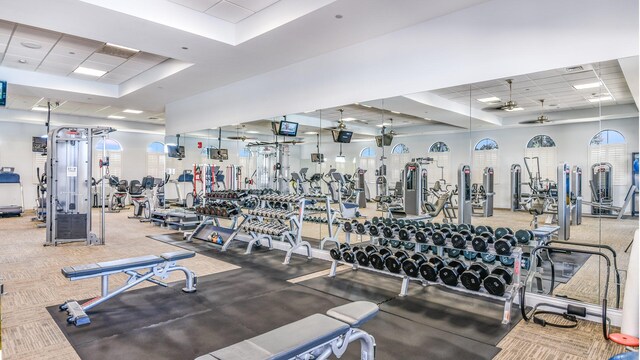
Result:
pixel 22 61
pixel 348 119
pixel 31 45
pixel 426 118
pixel 130 111
pixel 88 71
pixel 515 109
pixel 587 85
pixel 310 133
pixel 395 112
pixel 601 98
pixel 489 99
pixel 123 47
pixel 116 117
pixel 39 108
pixel 253 132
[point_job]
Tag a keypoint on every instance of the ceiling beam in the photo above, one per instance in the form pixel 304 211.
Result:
pixel 629 68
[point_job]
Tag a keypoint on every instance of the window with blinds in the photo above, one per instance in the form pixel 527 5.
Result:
pixel 156 160
pixel 544 148
pixel 485 154
pixel 610 146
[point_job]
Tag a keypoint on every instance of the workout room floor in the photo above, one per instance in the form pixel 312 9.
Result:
pixel 32 280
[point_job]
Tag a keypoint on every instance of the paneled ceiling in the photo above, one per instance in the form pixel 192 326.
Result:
pixel 32 49
pixel 555 86
pixel 232 11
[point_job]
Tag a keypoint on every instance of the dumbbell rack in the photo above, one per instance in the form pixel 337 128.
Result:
pixel 210 222
pixel 291 219
pixel 331 216
pixel 510 293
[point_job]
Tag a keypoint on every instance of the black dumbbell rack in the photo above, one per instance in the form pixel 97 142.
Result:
pixel 210 223
pixel 289 221
pixel 508 297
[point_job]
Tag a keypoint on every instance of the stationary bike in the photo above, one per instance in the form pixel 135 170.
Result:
pixel 118 198
pixel 138 191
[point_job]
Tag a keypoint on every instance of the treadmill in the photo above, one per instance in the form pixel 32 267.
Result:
pixel 11 192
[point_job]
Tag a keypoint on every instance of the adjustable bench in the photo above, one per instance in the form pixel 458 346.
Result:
pixel 314 337
pixel 153 266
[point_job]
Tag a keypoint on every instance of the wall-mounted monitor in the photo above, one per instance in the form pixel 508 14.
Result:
pixel 317 158
pixel 174 151
pixel 219 154
pixel 38 144
pixel 3 93
pixel 288 128
pixel 342 136
pixel 384 140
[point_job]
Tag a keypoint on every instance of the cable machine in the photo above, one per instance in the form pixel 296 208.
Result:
pixel 464 194
pixel 69 165
pixel 415 185
pixel 564 201
pixel 601 188
pixel 516 187
pixel 576 189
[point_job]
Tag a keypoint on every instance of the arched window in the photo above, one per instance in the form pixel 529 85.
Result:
pixel 611 146
pixel 485 155
pixel 544 148
pixel 399 157
pixel 439 147
pixel 114 153
pixel 156 159
pixel 486 144
pixel 400 149
pixel 440 167
pixel 244 153
pixel 368 152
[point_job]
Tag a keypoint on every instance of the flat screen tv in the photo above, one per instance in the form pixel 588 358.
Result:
pixel 317 158
pixel 38 144
pixel 219 154
pixel 342 136
pixel 174 151
pixel 388 139
pixel 288 128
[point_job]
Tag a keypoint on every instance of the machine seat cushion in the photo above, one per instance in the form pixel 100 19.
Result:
pixel 355 313
pixel 108 266
pixel 177 255
pixel 9 178
pixel 349 205
pixel 285 342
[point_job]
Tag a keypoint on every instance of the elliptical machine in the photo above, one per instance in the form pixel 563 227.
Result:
pixel 41 200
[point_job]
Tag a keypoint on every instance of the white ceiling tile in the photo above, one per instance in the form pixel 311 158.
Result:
pixel 147 58
pixel 13 61
pixel 54 70
pixel 229 12
pixel 254 5
pixel 198 5
pixel 6 28
pixel 34 34
pixel 55 58
pixel 106 59
pixel 97 66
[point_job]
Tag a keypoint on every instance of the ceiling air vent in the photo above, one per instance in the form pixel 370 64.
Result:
pixel 579 68
pixel 117 51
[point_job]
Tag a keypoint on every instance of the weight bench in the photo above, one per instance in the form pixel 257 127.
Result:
pixel 315 337
pixel 154 266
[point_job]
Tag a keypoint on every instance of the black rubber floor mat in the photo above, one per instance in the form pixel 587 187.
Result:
pixel 473 317
pixel 172 331
pixel 357 285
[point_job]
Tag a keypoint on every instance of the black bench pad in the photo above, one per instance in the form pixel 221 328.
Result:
pixel 284 342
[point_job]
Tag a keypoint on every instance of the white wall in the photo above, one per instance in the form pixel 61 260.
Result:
pixel 572 141
pixel 15 151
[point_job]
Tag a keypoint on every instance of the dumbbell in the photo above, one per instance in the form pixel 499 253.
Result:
pixel 349 255
pixel 506 260
pixel 409 245
pixel 411 266
pixel 482 228
pixel 481 242
pixel 504 245
pixel 488 258
pixel 362 228
pixel 393 263
pixel 452 227
pixel 470 255
pixel 377 220
pixel 453 253
pixel 362 255
pixel 429 270
pixel 348 226
pixel 378 258
pixel 469 227
pixel 440 237
pixel 450 273
pixel 502 231
pixel 497 282
pixel 390 231
pixel 395 243
pixel 472 278
pixel 407 233
pixel 459 240
pixel 336 253
pixel 375 228
pixel 524 236
pixel 423 235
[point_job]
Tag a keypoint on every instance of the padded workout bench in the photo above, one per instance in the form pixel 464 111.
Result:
pixel 315 337
pixel 156 266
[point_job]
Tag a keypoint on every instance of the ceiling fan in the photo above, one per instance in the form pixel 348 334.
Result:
pixel 242 137
pixel 542 119
pixel 509 105
pixel 341 125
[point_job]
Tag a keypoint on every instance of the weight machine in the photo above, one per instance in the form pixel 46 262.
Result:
pixel 576 190
pixel 415 186
pixel 516 187
pixel 482 194
pixel 601 184
pixel 564 201
pixel 69 165
pixel 464 194
pixel 361 189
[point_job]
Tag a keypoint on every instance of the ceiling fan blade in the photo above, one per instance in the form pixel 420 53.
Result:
pixel 535 122
pixel 499 108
